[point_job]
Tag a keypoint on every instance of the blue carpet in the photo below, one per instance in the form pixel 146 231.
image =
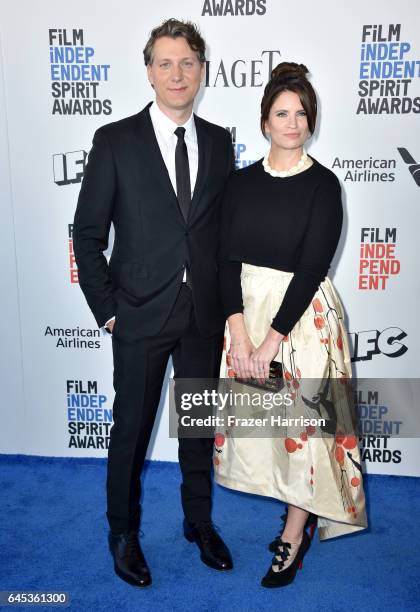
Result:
pixel 54 534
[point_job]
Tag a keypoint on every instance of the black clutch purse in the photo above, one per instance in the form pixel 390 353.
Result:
pixel 274 383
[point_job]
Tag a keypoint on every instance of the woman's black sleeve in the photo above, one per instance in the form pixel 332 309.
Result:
pixel 229 271
pixel 320 243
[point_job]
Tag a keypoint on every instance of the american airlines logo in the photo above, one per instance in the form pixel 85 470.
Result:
pixel 413 166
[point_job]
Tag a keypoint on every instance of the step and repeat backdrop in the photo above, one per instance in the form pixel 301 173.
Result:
pixel 69 68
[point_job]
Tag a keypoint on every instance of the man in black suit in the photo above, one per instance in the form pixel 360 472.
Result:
pixel 158 176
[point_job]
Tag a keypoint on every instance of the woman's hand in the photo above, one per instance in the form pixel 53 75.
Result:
pixel 264 355
pixel 241 346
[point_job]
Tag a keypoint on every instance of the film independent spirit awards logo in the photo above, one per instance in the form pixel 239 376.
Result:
pixel 233 8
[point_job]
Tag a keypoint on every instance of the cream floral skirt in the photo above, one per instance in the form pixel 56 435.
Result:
pixel 304 466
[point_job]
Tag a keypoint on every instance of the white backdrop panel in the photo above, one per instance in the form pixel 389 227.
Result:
pixel 328 39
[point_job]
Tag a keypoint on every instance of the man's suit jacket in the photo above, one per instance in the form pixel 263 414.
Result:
pixel 127 183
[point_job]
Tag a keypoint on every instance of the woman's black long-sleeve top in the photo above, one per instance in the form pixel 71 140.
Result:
pixel 291 224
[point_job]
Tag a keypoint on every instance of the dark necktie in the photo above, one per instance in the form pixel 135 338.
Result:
pixel 182 169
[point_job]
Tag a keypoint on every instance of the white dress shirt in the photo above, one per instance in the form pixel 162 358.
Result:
pixel 167 141
pixel 164 129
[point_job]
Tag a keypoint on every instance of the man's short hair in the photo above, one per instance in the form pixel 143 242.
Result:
pixel 174 28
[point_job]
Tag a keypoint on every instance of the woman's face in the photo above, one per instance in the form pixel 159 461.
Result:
pixel 287 124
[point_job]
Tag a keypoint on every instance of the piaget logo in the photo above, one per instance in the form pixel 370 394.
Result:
pixel 242 72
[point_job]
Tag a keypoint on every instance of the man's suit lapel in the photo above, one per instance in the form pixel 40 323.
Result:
pixel 151 158
pixel 204 142
pixel 150 152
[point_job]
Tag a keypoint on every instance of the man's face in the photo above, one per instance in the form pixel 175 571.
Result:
pixel 175 73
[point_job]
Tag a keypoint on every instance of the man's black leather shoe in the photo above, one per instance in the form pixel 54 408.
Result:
pixel 214 551
pixel 129 562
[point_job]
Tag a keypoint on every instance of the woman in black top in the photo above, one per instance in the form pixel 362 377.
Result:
pixel 282 219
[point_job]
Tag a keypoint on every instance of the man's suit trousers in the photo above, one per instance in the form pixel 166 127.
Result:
pixel 139 370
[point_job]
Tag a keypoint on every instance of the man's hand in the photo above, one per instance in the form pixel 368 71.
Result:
pixel 109 325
